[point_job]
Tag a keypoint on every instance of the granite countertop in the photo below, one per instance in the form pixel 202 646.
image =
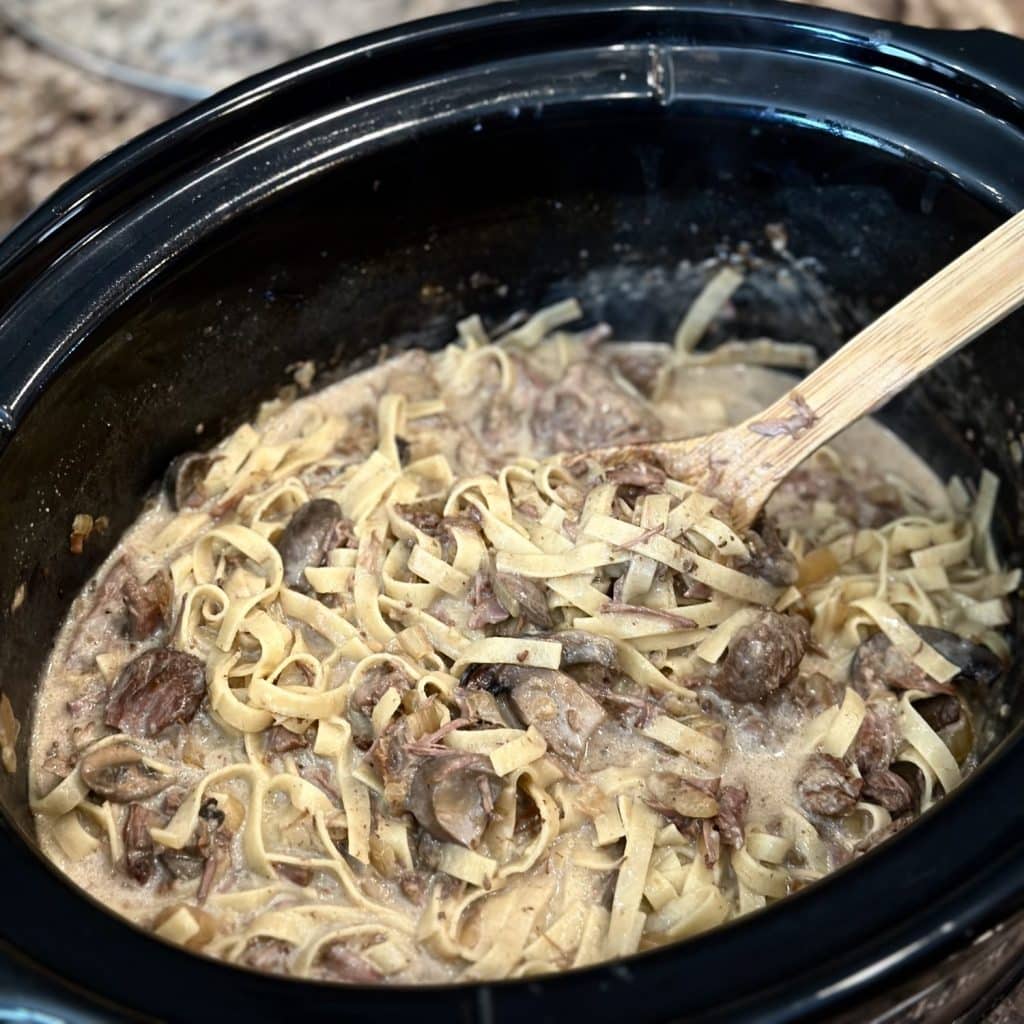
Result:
pixel 56 119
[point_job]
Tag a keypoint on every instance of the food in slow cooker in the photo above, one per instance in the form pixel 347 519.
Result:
pixel 376 691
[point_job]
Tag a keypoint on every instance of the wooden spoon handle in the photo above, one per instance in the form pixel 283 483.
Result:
pixel 952 308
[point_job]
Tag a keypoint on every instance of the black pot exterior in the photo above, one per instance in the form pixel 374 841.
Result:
pixel 488 162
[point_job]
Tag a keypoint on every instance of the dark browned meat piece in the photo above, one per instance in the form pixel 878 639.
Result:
pixel 587 409
pixel 556 705
pixel 283 741
pixel 518 595
pixel 939 711
pixel 770 559
pixel 976 662
pixel 139 859
pixel 265 954
pixel 878 666
pixel 875 744
pixel 183 478
pixel 732 809
pixel 313 530
pixel 452 796
pixel 117 773
pixel 148 604
pixel 121 604
pixel 155 690
pixel 888 790
pixel 761 657
pixel 828 788
pixel 341 964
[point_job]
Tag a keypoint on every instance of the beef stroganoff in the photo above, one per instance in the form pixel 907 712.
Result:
pixel 377 691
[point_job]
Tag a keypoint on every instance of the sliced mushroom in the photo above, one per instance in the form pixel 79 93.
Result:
pixel 580 648
pixel 976 662
pixel 313 530
pixel 452 796
pixel 117 773
pixel 673 796
pixel 154 690
pixel 184 477
pixel 521 596
pixel 556 705
pixel 877 664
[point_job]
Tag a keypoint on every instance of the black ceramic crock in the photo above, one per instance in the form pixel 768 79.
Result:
pixel 488 162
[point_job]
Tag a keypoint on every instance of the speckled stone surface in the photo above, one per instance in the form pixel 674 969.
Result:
pixel 55 120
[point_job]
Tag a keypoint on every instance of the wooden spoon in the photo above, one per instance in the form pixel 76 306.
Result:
pixel 744 464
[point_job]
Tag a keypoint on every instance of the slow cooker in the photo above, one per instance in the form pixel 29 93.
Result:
pixel 375 192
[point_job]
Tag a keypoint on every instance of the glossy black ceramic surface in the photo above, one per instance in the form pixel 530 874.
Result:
pixel 489 162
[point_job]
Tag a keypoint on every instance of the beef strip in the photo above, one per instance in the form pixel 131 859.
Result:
pixel 761 657
pixel 155 690
pixel 828 787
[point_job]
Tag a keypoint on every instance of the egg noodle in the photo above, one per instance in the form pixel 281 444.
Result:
pixel 575 863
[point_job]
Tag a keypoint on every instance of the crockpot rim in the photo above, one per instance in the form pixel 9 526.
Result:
pixel 72 200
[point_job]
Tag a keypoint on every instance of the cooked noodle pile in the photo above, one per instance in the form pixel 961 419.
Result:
pixel 383 692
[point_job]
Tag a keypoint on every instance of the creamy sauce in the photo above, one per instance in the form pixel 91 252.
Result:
pixel 764 747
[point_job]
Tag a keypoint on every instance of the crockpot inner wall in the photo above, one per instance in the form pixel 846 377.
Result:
pixel 488 217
